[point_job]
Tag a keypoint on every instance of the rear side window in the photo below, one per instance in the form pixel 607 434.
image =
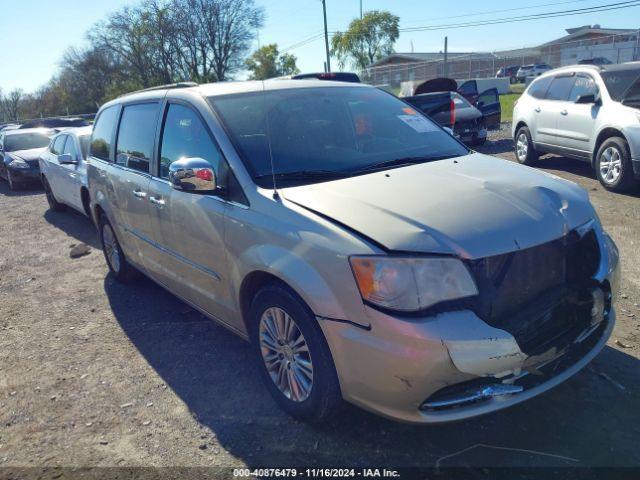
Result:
pixel 185 136
pixel 560 88
pixel 539 87
pixel 488 97
pixel 136 135
pixel 583 85
pixel 468 88
pixel 102 130
pixel 58 145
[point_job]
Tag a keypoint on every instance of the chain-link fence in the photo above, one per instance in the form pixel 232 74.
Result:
pixel 611 48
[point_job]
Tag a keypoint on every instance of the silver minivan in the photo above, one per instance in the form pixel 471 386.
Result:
pixel 366 254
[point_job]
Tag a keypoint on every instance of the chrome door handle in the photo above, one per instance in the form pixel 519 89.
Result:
pixel 538 109
pixel 156 201
pixel 139 193
pixel 563 112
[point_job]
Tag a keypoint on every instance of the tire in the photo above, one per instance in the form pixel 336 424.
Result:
pixel 13 186
pixel 318 396
pixel 116 260
pixel 478 142
pixel 525 152
pixel 54 205
pixel 613 165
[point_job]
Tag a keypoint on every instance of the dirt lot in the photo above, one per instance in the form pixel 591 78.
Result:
pixel 93 373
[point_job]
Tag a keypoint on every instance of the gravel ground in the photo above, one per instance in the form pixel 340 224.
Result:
pixel 93 373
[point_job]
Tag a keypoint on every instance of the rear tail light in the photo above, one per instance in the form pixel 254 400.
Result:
pixel 452 112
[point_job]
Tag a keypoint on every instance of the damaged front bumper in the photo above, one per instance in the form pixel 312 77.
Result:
pixel 453 365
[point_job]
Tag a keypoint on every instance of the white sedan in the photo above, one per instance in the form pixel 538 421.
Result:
pixel 64 170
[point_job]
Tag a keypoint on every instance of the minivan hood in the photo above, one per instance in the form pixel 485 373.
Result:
pixel 473 206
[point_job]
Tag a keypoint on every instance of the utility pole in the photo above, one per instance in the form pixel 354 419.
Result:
pixel 360 9
pixel 445 66
pixel 326 35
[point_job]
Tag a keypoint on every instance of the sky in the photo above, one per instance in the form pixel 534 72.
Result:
pixel 35 33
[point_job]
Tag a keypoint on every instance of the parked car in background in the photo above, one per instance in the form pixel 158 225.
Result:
pixel 19 153
pixel 585 112
pixel 595 61
pixel 9 126
pixel 533 70
pixel 445 102
pixel 365 253
pixel 452 110
pixel 59 123
pixel 63 170
pixel 510 72
pixel 334 76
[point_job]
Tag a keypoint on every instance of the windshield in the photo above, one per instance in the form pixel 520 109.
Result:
pixel 623 85
pixel 331 130
pixel 25 141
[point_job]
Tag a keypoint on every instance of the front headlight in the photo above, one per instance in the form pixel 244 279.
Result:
pixel 18 163
pixel 411 284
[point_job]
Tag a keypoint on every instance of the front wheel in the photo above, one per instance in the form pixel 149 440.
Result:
pixel 613 165
pixel 117 262
pixel 54 205
pixel 13 186
pixel 296 363
pixel 525 152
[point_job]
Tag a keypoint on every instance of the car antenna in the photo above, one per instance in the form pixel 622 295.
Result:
pixel 266 121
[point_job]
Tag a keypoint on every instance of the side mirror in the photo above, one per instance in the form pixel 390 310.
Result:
pixel 66 159
pixel 586 98
pixel 192 175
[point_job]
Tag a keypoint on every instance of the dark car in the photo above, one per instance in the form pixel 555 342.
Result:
pixel 595 61
pixel 55 123
pixel 467 113
pixel 20 150
pixel 452 110
pixel 509 72
pixel 333 76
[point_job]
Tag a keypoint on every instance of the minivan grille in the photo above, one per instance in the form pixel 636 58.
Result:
pixel 539 293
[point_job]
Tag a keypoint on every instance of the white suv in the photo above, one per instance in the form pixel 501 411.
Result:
pixel 585 112
pixel 534 70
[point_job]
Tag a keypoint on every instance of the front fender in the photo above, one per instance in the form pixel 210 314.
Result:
pixel 295 271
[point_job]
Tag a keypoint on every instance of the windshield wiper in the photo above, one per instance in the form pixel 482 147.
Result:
pixel 400 162
pixel 306 174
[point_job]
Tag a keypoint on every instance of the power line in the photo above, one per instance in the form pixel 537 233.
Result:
pixel 504 10
pixel 538 16
pixel 304 42
pixel 520 18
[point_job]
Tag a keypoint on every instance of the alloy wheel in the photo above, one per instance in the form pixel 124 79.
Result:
pixel 286 354
pixel 111 248
pixel 522 147
pixel 610 165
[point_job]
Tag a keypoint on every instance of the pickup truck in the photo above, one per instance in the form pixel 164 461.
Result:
pixel 439 100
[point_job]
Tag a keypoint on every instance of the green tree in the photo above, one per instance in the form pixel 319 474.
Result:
pixel 267 62
pixel 366 40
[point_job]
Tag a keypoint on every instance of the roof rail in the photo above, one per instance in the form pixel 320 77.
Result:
pixel 168 86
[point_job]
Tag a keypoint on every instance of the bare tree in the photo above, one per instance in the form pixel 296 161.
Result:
pixel 151 43
pixel 11 104
pixel 230 27
pixel 126 33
